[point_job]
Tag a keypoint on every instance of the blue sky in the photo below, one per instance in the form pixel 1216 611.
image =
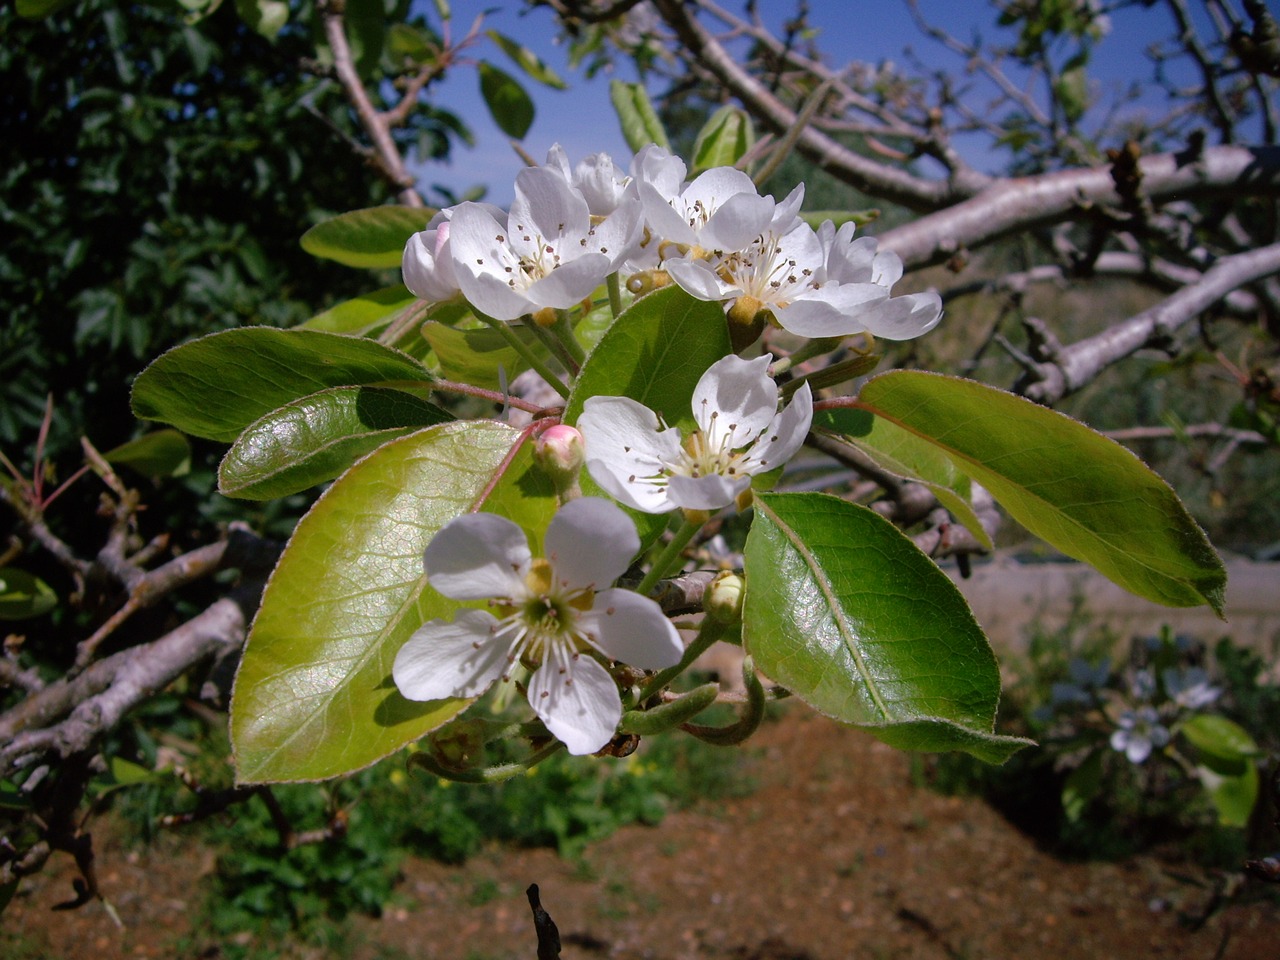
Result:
pixel 582 119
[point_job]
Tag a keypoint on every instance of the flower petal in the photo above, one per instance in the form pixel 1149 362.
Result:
pixel 626 448
pixel 699 280
pixel 785 435
pixel 459 659
pixel 710 492
pixel 478 556
pixel 735 400
pixel 577 700
pixel 590 542
pixel 901 318
pixel 633 629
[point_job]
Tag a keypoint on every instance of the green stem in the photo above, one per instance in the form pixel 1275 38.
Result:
pixel 808 351
pixel 564 332
pixel 707 635
pixel 669 557
pixel 527 354
pixel 553 344
pixel 503 771
pixel 614 286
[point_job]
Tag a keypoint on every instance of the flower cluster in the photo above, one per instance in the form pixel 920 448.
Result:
pixel 570 228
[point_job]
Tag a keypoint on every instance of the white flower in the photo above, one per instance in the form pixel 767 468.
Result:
pixel 597 178
pixel 719 211
pixel 740 433
pixel 1138 733
pixel 547 253
pixel 844 300
pixel 555 613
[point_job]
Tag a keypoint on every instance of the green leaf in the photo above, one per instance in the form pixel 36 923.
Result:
pixel 723 140
pixel 843 610
pixel 23 596
pixel 373 237
pixel 161 453
pixel 1084 494
pixel 907 456
pixel 528 61
pixel 314 696
pixel 314 439
pixel 1233 796
pixel 363 313
pixel 39 9
pixel 408 42
pixel 507 101
pixel 1223 745
pixel 640 123
pixel 216 386
pixel 654 352
pixel 264 17
pixel 365 21
pixel 476 355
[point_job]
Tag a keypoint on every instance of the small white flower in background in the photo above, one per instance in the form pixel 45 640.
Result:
pixel 557 613
pixel 547 252
pixel 740 433
pixel 1189 688
pixel 1143 685
pixel 1138 732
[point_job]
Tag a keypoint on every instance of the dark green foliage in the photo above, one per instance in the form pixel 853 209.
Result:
pixel 156 178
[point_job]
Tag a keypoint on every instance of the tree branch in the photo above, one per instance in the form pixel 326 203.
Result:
pixel 1076 365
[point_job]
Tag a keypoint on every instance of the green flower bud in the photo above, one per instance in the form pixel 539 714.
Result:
pixel 722 598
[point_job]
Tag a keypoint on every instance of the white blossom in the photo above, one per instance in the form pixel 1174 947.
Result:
pixel 548 252
pixel 741 433
pixel 556 614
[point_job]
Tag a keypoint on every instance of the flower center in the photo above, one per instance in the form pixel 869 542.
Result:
pixel 542 623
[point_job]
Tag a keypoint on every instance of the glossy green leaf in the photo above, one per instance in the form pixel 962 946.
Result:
pixel 1084 494
pixel 264 17
pixel 905 455
pixel 408 42
pixel 844 611
pixel 373 237
pixel 216 386
pixel 363 313
pixel 1221 743
pixel 640 123
pixel 314 439
pixel 528 61
pixel 654 352
pixel 510 105
pixel 23 596
pixel 161 453
pixel 723 140
pixel 314 696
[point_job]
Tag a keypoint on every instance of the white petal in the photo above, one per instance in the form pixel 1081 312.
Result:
pixel 788 431
pixel 578 701
pixel 624 447
pixel 478 556
pixel 735 400
pixel 549 206
pixel 632 629
pixel 901 318
pixel 590 543
pixel 656 166
pixel 664 222
pixel 569 283
pixel 836 310
pixel 699 280
pixel 737 221
pixel 706 493
pixel 427 267
pixel 459 659
pixel 481 263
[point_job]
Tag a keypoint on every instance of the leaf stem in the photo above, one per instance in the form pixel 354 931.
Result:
pixel 614 285
pixel 669 557
pixel 710 632
pixel 526 353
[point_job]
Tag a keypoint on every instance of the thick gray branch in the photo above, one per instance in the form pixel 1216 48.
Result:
pixel 1014 205
pixel 1074 366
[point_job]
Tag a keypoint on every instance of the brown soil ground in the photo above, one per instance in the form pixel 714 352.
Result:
pixel 836 856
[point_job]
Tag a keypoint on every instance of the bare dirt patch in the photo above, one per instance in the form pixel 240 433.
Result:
pixel 837 855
